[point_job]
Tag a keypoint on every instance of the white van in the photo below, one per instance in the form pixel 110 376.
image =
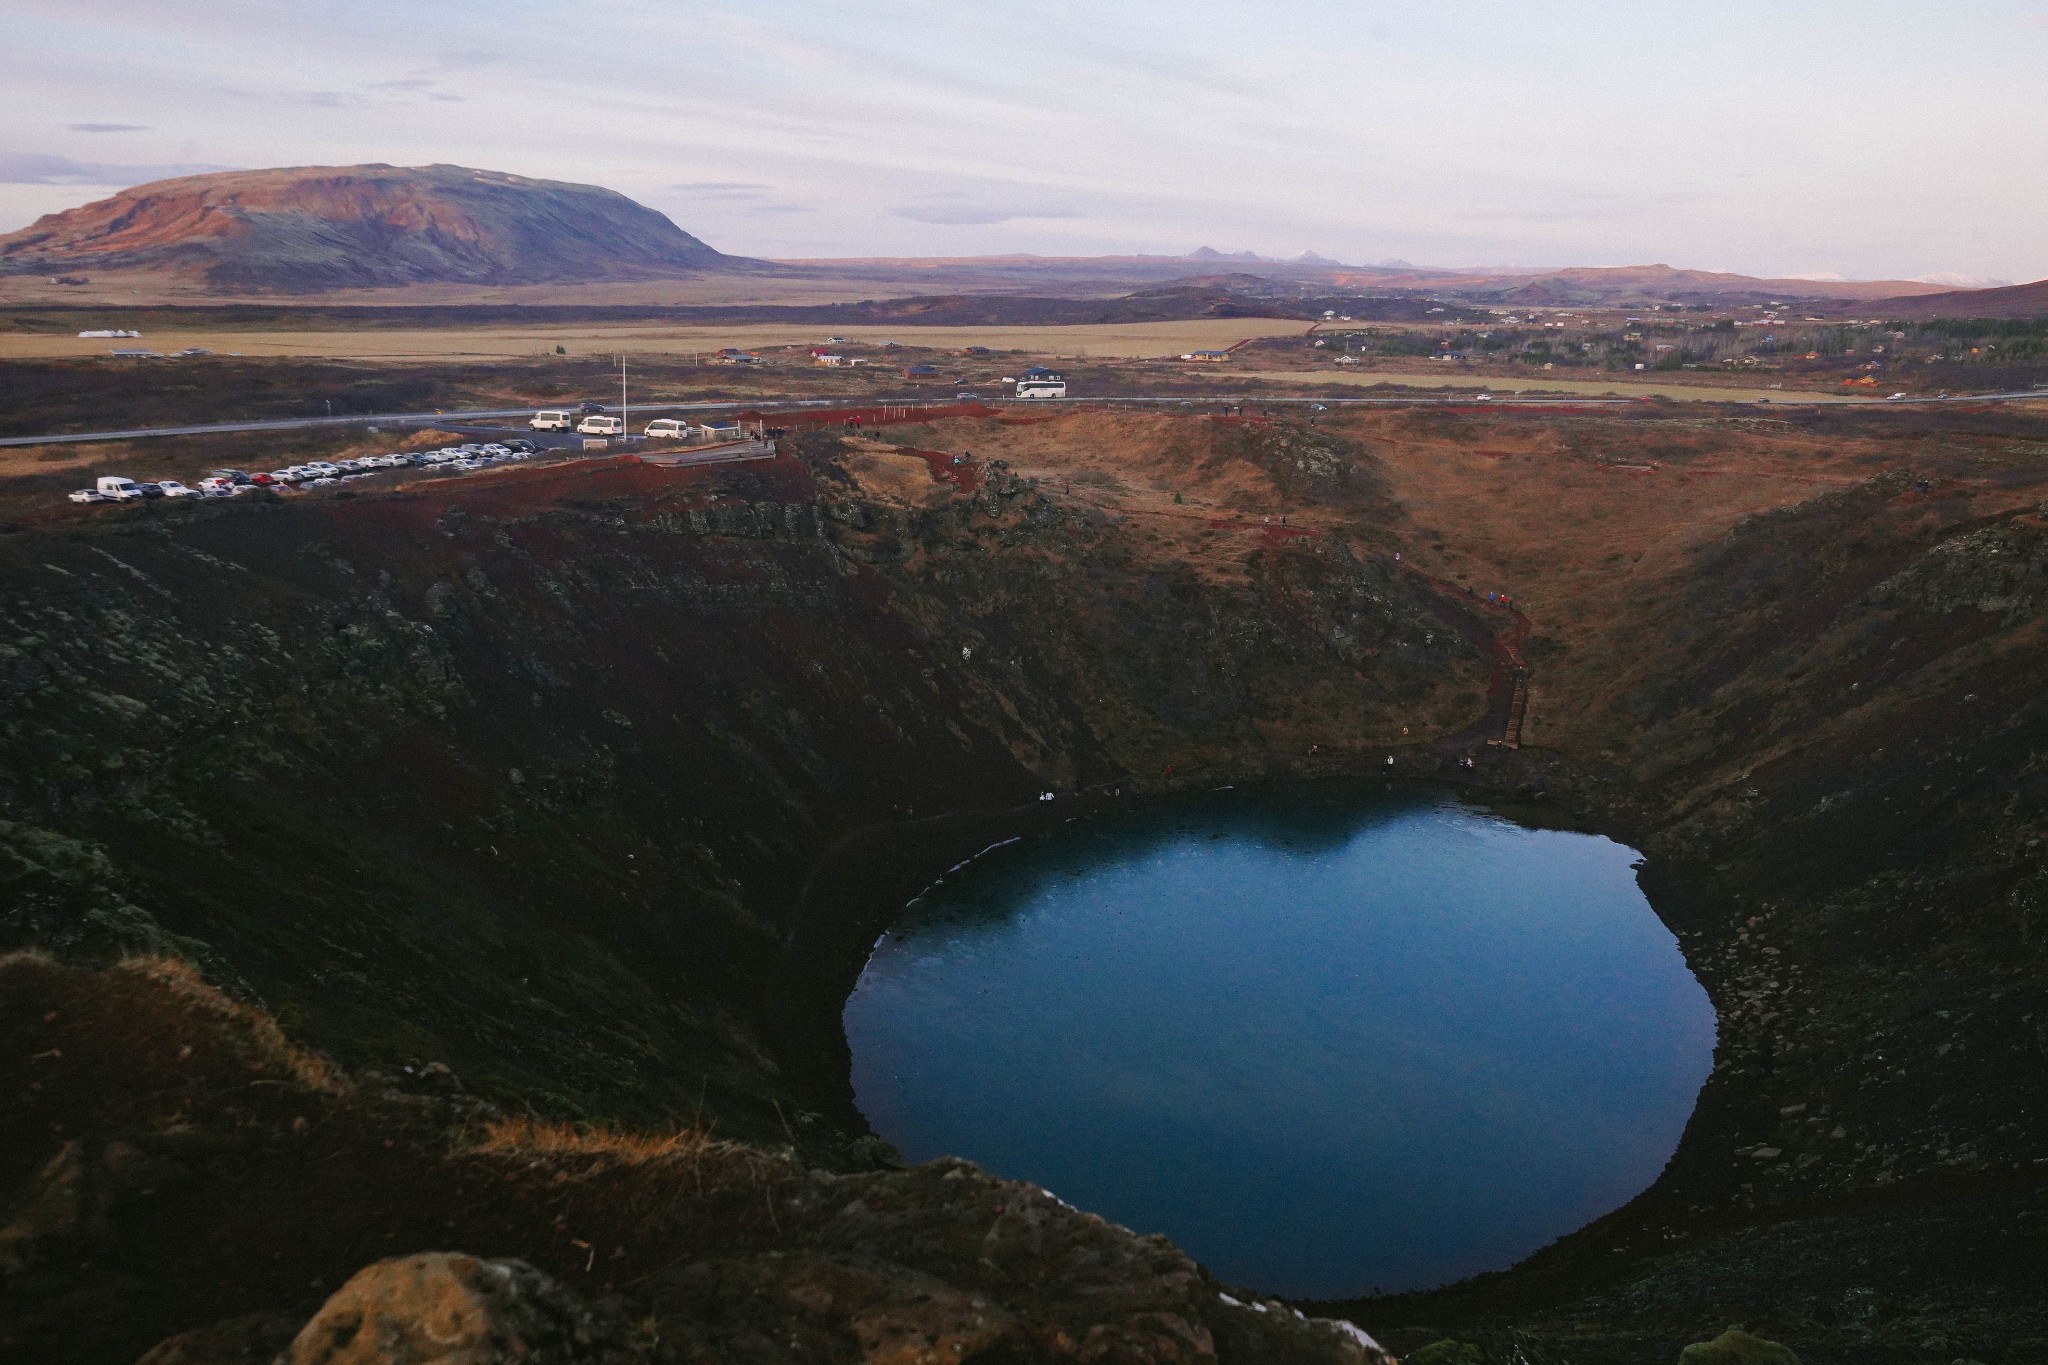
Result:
pixel 115 487
pixel 597 424
pixel 671 427
pixel 552 419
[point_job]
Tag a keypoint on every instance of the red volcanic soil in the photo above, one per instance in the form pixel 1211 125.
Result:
pixel 329 227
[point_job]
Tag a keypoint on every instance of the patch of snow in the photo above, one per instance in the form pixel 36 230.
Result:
pixel 1357 1334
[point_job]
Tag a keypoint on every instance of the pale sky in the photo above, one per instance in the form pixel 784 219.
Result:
pixel 1885 138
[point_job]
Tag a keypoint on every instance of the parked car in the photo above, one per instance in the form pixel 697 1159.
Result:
pixel 522 445
pixel 171 488
pixel 216 487
pixel 597 425
pixel 117 489
pixel 234 476
pixel 466 463
pixel 668 428
pixel 90 495
pixel 322 468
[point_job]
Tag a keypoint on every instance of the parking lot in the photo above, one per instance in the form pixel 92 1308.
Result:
pixel 491 446
pixel 227 483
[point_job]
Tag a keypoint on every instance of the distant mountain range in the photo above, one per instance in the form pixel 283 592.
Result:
pixel 395 234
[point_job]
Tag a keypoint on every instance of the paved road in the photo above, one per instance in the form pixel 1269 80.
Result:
pixel 1791 399
pixel 380 419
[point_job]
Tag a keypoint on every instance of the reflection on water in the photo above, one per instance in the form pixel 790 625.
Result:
pixel 1324 1039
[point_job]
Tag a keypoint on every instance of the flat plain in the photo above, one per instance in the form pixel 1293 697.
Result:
pixel 1134 340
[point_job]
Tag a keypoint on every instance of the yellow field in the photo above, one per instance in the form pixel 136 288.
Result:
pixel 1109 340
pixel 1591 388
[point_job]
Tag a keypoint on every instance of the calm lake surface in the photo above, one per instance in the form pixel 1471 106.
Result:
pixel 1326 1038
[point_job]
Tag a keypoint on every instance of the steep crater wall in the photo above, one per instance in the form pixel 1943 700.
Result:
pixel 532 777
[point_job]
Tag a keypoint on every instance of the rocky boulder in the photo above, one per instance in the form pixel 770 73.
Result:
pixel 1736 1347
pixel 445 1308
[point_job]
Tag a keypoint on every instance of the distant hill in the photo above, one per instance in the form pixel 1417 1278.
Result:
pixel 1662 283
pixel 313 228
pixel 2009 301
pixel 1580 286
pixel 449 235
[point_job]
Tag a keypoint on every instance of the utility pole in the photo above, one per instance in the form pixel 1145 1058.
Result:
pixel 625 427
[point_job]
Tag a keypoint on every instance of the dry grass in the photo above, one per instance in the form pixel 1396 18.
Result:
pixel 256 1033
pixel 525 1136
pixel 885 474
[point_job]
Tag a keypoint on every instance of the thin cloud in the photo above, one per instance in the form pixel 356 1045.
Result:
pixel 973 215
pixel 468 58
pixel 108 127
pixel 41 168
pixel 723 189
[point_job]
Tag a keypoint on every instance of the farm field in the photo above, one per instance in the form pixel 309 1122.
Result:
pixel 1135 340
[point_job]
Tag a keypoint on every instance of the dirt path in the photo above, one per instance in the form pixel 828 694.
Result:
pixel 1507 686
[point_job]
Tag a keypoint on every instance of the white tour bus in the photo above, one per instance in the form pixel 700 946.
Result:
pixel 1039 383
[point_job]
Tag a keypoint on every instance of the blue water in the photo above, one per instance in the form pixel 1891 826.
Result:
pixel 1327 1040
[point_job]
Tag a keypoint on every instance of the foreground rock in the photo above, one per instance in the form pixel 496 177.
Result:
pixel 442 1308
pixel 185 1185
pixel 1737 1347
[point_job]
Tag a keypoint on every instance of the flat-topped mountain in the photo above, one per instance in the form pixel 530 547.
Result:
pixel 310 228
